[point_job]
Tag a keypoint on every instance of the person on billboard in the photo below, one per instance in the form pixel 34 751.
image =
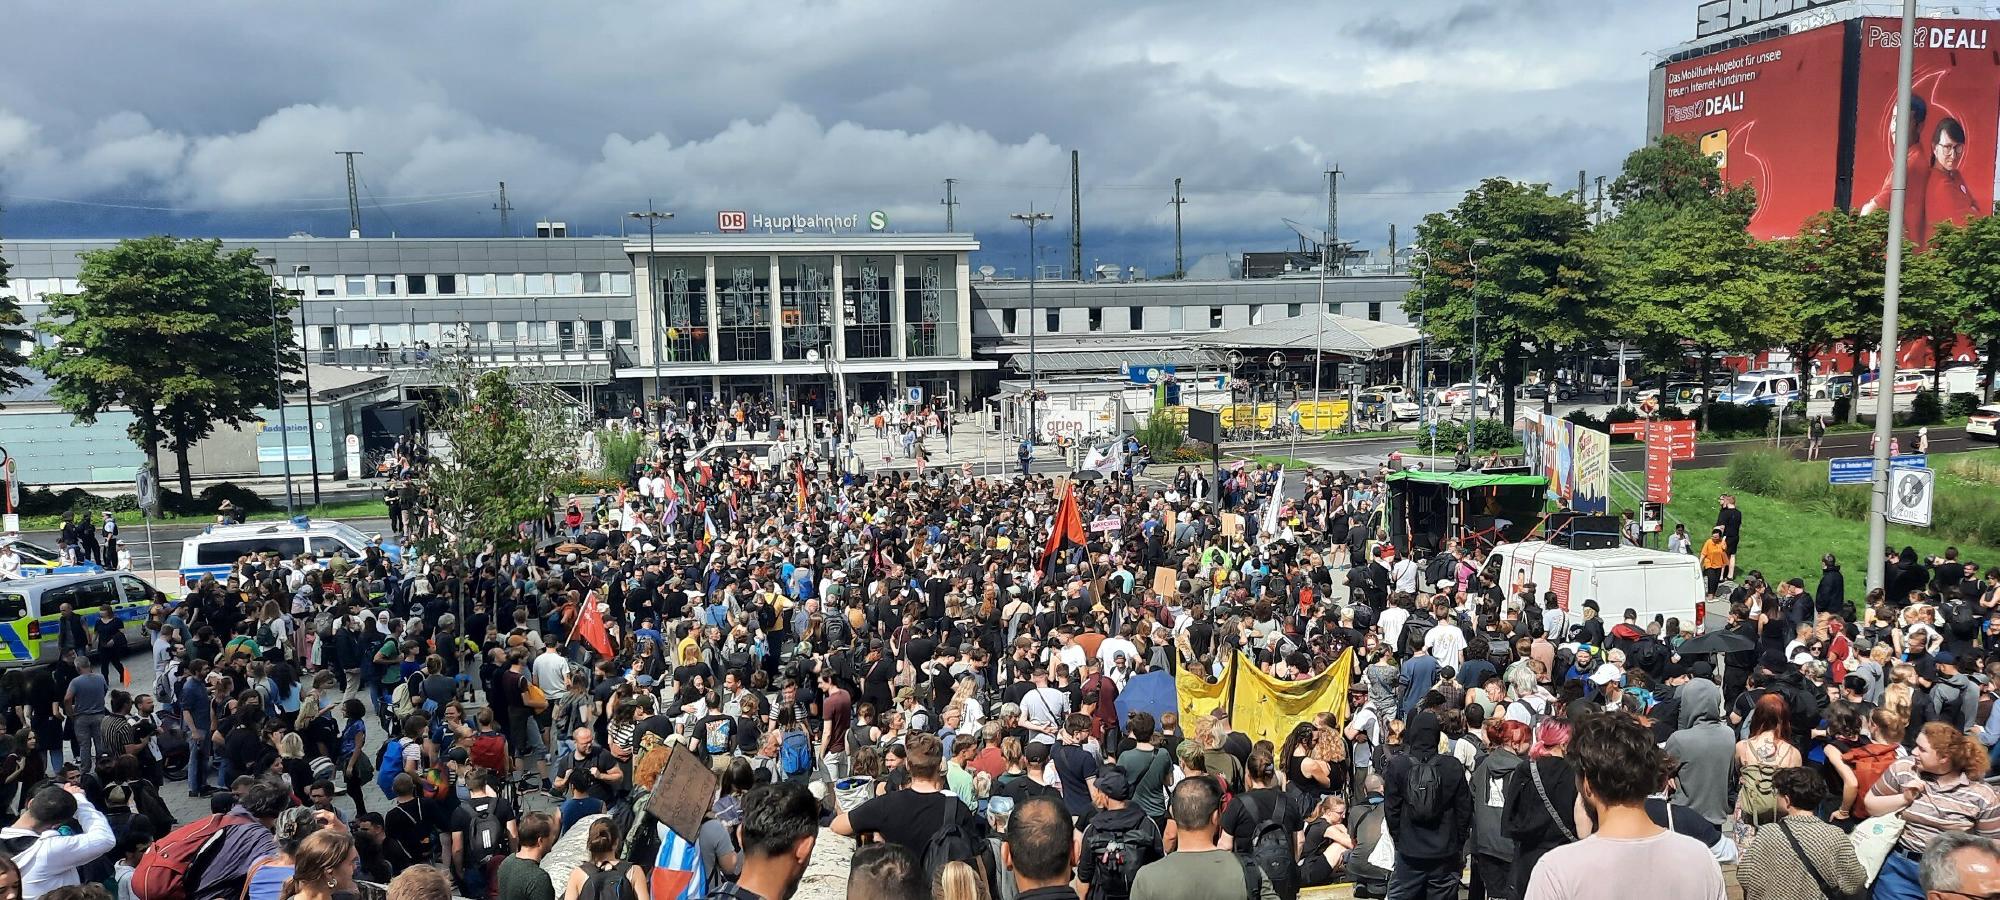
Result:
pixel 1946 196
pixel 1917 165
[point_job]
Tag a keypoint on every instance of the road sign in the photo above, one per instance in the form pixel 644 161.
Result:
pixel 1628 428
pixel 1659 475
pixel 146 487
pixel 1909 461
pixel 1910 493
pixel 354 456
pixel 916 395
pixel 1850 470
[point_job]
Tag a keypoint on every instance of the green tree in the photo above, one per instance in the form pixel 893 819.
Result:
pixel 1931 309
pixel 506 447
pixel 1969 256
pixel 12 336
pixel 1836 263
pixel 1670 175
pixel 178 333
pixel 1514 255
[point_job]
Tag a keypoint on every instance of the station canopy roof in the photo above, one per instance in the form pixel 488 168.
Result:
pixel 1063 361
pixel 1329 333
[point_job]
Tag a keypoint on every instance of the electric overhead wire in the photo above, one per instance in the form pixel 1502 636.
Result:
pixel 106 204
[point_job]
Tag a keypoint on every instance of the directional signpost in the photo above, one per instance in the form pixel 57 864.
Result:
pixel 1850 470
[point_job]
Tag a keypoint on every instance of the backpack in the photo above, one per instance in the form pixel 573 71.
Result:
pixel 386 770
pixel 1118 856
pixel 487 836
pixel 1868 763
pixel 718 736
pixel 1271 850
pixel 795 756
pixel 608 884
pixel 958 841
pixel 171 867
pixel 401 702
pixel 489 752
pixel 1424 798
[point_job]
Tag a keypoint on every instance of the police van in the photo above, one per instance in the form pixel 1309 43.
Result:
pixel 31 607
pixel 217 548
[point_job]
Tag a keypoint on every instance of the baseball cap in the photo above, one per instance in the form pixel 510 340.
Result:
pixel 1944 658
pixel 1605 675
pixel 1036 754
pixel 1114 783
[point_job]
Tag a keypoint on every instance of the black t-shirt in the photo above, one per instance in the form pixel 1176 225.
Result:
pixel 461 820
pixel 1271 806
pixel 1022 789
pixel 578 771
pixel 909 819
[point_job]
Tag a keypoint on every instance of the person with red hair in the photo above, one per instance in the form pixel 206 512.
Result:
pixel 1539 806
pixel 1939 789
pixel 1760 756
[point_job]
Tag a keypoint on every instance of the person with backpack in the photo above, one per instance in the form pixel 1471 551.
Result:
pixel 589 768
pixel 1264 825
pixel 779 830
pixel 48 859
pixel 1429 813
pixel 411 838
pixel 604 876
pixel 1119 840
pixel 483 831
pixel 924 817
pixel 211 857
pixel 1199 868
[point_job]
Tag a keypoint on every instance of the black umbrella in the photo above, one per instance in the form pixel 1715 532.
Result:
pixel 1716 642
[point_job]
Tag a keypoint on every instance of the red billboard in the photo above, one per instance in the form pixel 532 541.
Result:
pixel 1955 82
pixel 1769 112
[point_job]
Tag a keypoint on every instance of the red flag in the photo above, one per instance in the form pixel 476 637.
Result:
pixel 590 627
pixel 802 488
pixel 1068 526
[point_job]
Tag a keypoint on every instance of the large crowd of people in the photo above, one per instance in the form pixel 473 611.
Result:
pixel 931 664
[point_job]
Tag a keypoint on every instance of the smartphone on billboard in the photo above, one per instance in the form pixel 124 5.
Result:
pixel 1715 146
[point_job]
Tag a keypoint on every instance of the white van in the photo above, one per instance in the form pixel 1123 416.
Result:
pixel 1652 582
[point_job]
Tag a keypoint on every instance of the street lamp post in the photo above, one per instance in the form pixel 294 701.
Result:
pixel 1472 430
pixel 305 367
pixel 1423 361
pixel 653 218
pixel 1034 365
pixel 270 264
pixel 1892 292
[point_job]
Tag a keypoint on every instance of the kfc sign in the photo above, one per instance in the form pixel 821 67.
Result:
pixel 731 220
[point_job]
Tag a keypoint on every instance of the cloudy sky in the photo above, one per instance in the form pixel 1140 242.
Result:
pixel 205 117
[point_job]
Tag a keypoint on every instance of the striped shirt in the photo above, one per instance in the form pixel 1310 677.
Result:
pixel 1773 870
pixel 1965 805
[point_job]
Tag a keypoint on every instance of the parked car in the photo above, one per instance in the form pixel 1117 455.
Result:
pixel 1767 387
pixel 1393 391
pixel 1679 393
pixel 1984 423
pixel 723 454
pixel 1460 394
pixel 1832 387
pixel 1400 410
pixel 1540 390
pixel 1907 382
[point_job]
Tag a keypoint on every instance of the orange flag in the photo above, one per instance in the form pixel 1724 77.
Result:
pixel 590 627
pixel 1068 527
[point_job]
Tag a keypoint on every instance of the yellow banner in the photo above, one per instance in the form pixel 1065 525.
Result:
pixel 1265 708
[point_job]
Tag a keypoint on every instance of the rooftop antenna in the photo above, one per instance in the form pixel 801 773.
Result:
pixel 353 199
pixel 504 207
pixel 950 204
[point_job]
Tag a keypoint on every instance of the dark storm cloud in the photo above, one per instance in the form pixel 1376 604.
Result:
pixel 228 112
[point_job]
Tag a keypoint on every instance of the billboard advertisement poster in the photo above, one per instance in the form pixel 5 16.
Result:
pixel 1769 113
pixel 1955 82
pixel 1592 490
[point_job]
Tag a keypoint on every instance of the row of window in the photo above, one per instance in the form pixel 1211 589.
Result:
pixel 424 285
pixel 1167 319
pixel 590 335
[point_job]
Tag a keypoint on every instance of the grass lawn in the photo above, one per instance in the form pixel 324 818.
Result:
pixel 1785 540
pixel 1281 461
pixel 346 509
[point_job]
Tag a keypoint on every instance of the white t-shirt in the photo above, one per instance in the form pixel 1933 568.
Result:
pixel 1392 621
pixel 1447 644
pixel 1045 706
pixel 1369 725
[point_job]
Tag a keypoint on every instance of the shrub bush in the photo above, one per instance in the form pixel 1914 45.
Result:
pixel 1587 420
pixel 1161 434
pixel 1491 434
pixel 617 451
pixel 1621 414
pixel 1926 409
pixel 1961 405
pixel 1736 419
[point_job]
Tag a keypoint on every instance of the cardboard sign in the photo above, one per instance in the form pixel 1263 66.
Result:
pixel 1166 582
pixel 683 792
pixel 1107 523
pixel 1232 525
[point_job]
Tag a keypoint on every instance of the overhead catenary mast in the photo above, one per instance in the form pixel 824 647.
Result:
pixel 353 198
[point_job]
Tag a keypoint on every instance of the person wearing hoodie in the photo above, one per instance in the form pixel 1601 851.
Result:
pixel 1428 806
pixel 1120 838
pixel 1491 850
pixel 1954 697
pixel 1830 596
pixel 1705 746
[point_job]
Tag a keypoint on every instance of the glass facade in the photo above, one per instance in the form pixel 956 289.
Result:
pixel 743 308
pixel 930 305
pixel 865 306
pixel 805 295
pixel 683 297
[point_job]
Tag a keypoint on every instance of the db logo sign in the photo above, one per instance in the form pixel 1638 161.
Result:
pixel 730 220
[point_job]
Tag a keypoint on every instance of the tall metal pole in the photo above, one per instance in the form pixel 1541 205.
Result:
pixel 353 199
pixel 278 362
pixel 1075 219
pixel 1472 429
pixel 950 202
pixel 1034 364
pixel 1423 355
pixel 1319 307
pixel 1180 264
pixel 305 358
pixel 653 218
pixel 1892 293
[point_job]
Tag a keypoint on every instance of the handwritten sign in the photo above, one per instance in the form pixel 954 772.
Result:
pixel 1107 523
